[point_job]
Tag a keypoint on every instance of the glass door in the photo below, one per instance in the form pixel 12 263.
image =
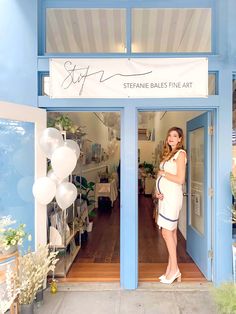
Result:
pixel 21 163
pixel 199 192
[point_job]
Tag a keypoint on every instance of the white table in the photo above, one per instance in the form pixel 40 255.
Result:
pixel 107 190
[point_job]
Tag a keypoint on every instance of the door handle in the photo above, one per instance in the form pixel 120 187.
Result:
pixel 187 194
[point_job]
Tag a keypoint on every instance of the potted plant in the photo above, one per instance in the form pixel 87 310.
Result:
pixel 148 168
pixel 92 214
pixel 33 269
pixel 88 187
pixel 64 123
pixel 85 187
pixel 10 238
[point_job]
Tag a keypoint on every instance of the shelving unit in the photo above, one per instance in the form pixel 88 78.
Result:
pixel 70 244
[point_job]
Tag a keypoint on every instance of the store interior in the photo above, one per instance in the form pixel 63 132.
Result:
pixel 92 251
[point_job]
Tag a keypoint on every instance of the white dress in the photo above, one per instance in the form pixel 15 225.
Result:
pixel 171 204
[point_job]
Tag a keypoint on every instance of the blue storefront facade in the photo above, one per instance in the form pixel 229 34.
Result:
pixel 24 61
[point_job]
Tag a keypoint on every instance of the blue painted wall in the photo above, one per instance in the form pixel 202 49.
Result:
pixel 18 51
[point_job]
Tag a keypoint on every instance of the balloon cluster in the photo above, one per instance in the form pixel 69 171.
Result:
pixel 63 155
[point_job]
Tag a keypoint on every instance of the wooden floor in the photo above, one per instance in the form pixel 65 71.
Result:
pixel 110 272
pixel 98 259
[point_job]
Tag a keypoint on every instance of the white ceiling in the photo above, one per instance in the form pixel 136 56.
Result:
pixel 104 30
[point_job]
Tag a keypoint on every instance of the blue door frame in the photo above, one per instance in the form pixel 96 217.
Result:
pixel 199 243
pixel 222 230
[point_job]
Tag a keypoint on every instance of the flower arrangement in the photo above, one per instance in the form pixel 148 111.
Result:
pixel 33 269
pixel 11 236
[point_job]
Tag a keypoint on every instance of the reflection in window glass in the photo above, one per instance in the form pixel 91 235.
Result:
pixel 197 180
pixel 212 84
pixel 171 30
pixel 45 85
pixel 85 30
pixel 17 173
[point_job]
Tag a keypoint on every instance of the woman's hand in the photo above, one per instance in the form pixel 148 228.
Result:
pixel 159 196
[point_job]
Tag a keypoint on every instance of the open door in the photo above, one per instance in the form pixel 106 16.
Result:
pixel 199 192
pixel 21 128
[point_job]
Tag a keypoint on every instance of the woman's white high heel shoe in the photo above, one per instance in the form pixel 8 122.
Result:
pixel 171 280
pixel 162 277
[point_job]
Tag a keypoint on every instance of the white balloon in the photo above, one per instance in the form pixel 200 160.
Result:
pixel 44 190
pixel 55 179
pixel 66 194
pixel 50 140
pixel 74 146
pixel 63 161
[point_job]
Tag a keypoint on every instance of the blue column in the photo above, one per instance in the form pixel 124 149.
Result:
pixel 18 51
pixel 129 199
pixel 222 251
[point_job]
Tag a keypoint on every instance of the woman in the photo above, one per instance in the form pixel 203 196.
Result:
pixel 170 195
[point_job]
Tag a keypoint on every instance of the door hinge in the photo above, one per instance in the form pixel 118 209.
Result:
pixel 210 254
pixel 211 192
pixel 211 130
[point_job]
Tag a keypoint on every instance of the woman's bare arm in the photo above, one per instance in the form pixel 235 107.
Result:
pixel 179 177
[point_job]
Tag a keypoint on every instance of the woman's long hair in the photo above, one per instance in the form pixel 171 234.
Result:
pixel 168 153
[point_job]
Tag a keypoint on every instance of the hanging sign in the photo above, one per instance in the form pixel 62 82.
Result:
pixel 129 78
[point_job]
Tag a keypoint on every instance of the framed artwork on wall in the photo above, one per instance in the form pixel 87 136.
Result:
pixel 96 152
pixel 87 150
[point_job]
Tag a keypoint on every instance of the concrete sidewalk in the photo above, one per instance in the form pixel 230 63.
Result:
pixel 150 298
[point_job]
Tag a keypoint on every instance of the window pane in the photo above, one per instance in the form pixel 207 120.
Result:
pixel 17 172
pixel 212 84
pixel 85 30
pixel 197 179
pixel 171 30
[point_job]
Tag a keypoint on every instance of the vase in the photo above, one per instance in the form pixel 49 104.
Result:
pixel 12 249
pixel 27 308
pixel 90 226
pixel 39 297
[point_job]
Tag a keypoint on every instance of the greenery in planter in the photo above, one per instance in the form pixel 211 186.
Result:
pixel 86 187
pixel 148 168
pixel 225 298
pixel 92 214
pixel 64 123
